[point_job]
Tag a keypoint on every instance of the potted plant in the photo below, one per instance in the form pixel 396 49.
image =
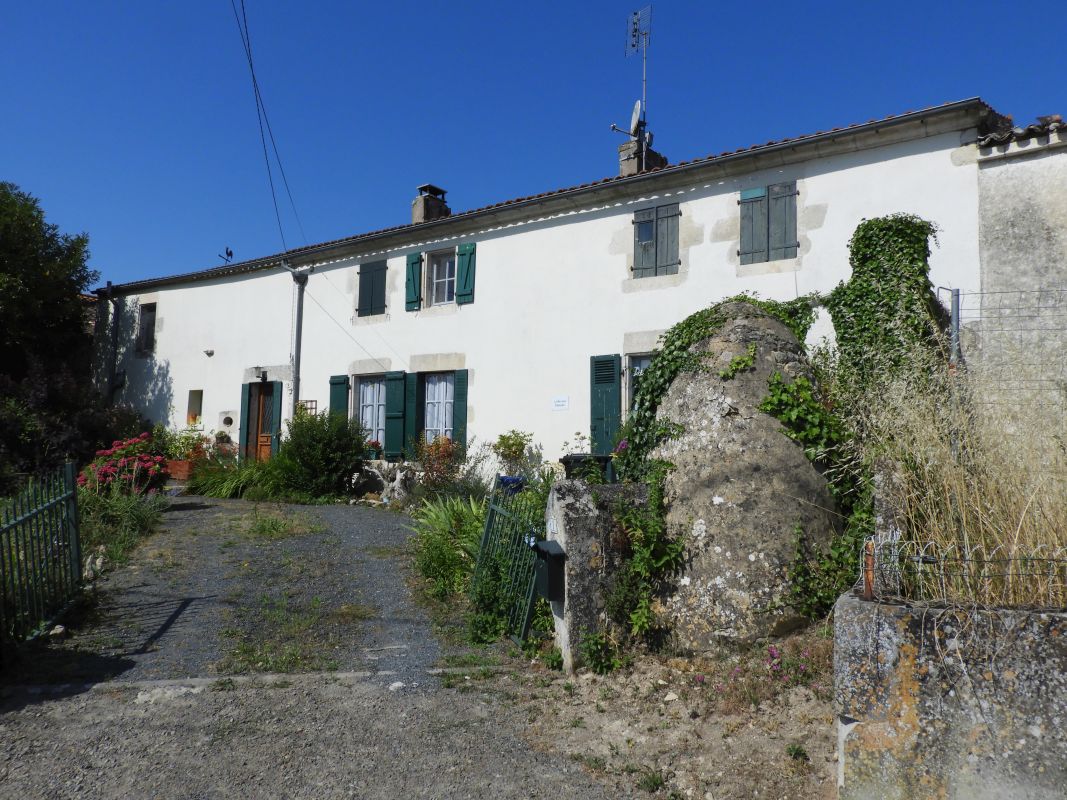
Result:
pixel 182 448
pixel 373 450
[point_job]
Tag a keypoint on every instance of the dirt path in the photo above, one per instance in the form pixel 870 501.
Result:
pixel 172 689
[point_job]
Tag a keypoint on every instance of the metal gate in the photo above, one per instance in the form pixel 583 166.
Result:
pixel 40 556
pixel 505 568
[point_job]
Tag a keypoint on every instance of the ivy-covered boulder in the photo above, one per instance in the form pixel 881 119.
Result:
pixel 742 494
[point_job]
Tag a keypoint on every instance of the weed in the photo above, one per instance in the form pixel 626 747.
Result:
pixel 651 781
pixel 224 685
pixel 553 659
pixel 796 752
pixel 578 722
pixel 599 653
pixel 569 688
pixel 594 763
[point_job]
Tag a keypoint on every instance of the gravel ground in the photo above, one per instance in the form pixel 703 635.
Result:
pixel 140 701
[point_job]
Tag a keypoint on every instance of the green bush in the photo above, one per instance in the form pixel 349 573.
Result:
pixel 117 520
pixel 321 454
pixel 448 531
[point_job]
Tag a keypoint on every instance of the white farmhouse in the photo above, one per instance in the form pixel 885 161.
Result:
pixel 534 313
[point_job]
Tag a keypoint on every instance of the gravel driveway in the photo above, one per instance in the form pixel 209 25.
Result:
pixel 263 652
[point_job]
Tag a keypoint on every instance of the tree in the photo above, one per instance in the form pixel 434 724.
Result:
pixel 48 410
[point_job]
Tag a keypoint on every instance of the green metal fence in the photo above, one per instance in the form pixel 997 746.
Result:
pixel 40 554
pixel 505 567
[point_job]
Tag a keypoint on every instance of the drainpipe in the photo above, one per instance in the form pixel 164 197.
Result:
pixel 301 281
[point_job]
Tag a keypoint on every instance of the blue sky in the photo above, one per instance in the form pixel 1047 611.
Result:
pixel 135 121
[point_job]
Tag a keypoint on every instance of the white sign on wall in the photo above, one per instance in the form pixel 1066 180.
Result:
pixel 561 403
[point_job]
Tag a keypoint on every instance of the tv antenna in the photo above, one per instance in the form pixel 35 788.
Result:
pixel 638 34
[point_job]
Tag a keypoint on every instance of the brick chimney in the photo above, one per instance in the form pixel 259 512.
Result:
pixel 429 205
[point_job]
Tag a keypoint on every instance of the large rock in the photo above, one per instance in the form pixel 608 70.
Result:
pixel 739 489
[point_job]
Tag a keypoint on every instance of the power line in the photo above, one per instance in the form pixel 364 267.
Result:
pixel 344 330
pixel 264 119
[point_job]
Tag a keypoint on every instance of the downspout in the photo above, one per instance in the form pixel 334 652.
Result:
pixel 301 281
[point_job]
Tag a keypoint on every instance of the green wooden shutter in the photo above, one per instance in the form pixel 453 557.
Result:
pixel 339 385
pixel 366 288
pixel 378 290
pixel 393 446
pixel 645 243
pixel 465 269
pixel 667 239
pixel 783 220
pixel 605 378
pixel 371 289
pixel 245 421
pixel 412 412
pixel 413 294
pixel 459 408
pixel 275 417
pixel 753 204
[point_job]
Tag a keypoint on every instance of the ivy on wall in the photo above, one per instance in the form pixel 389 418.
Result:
pixel 888 305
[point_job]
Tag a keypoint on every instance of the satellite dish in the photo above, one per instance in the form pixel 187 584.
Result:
pixel 635 118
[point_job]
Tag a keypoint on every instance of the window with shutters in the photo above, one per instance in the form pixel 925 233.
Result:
pixel 656 241
pixel 371 289
pixel 439 389
pixel 768 223
pixel 370 400
pixel 441 278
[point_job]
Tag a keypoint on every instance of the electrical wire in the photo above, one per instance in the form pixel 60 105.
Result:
pixel 345 331
pixel 264 119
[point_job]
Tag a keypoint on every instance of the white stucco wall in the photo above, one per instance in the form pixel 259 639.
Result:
pixel 550 293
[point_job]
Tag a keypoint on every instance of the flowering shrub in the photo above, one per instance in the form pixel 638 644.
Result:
pixel 374 444
pixel 131 467
pixel 440 460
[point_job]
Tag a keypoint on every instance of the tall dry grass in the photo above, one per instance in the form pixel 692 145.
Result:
pixel 973 464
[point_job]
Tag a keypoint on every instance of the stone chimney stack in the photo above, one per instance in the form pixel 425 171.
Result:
pixel 630 159
pixel 429 205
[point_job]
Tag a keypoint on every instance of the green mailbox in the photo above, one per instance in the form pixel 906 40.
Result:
pixel 548 570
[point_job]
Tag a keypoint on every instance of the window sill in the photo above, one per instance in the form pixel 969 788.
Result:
pixel 652 283
pixel 783 265
pixel 442 310
pixel 370 319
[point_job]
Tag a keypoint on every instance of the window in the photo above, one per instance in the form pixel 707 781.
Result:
pixel 638 364
pixel 437 418
pixel 309 406
pixel 146 329
pixel 656 241
pixel 371 410
pixel 371 289
pixel 195 408
pixel 442 278
pixel 448 277
pixel 768 223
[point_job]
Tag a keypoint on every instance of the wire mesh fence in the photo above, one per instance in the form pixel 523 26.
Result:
pixel 958 575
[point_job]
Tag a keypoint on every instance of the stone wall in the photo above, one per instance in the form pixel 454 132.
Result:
pixel 960 705
pixel 581 518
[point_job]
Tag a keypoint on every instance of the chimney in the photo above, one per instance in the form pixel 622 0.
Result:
pixel 429 205
pixel 630 159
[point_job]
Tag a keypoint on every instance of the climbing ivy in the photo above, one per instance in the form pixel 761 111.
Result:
pixel 888 305
pixel 739 364
pixel 642 431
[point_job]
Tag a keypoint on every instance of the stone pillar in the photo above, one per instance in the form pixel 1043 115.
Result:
pixel 581 517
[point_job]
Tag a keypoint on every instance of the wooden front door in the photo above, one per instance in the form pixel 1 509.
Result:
pixel 261 419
